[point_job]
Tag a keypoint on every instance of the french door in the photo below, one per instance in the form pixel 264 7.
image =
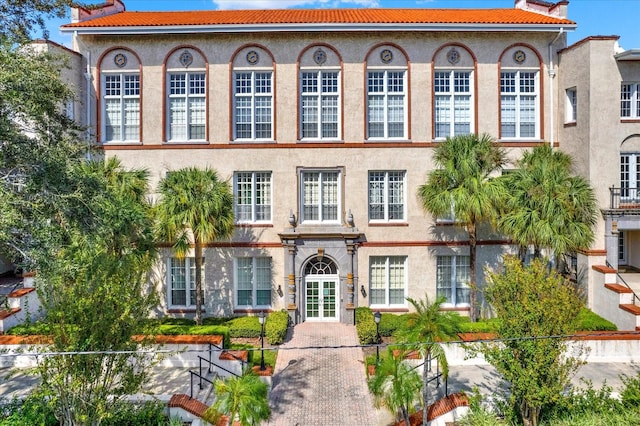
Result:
pixel 321 298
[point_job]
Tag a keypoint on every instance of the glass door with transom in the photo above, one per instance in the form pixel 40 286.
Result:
pixel 321 298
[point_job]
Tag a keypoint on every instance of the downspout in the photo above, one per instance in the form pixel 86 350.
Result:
pixel 87 108
pixel 552 75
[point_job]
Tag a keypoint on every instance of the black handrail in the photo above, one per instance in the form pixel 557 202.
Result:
pixel 193 373
pixel 635 296
pixel 625 198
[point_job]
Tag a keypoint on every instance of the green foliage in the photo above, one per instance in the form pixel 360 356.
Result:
pixel 21 18
pixel 276 327
pixel 244 398
pixel 486 326
pixel 366 326
pixel 631 393
pixel 390 323
pixel 149 413
pixel 395 386
pixel 532 302
pixel 590 321
pixel 245 327
pixel 479 414
pixel 33 410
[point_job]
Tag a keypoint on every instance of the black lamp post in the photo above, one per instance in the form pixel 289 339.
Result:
pixel 376 318
pixel 261 318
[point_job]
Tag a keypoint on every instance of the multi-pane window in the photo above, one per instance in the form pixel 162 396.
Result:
pixel 452 279
pixel 622 248
pixel 253 281
pixel 386 196
pixel 253 196
pixel 320 100
pixel 121 97
pixel 386 104
pixel 320 195
pixel 452 103
pixel 187 109
pixel 182 281
pixel 387 280
pixel 630 100
pixel 629 176
pixel 253 105
pixel 519 115
pixel 571 110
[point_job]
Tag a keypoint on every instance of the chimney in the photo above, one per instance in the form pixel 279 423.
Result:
pixel 109 7
pixel 557 10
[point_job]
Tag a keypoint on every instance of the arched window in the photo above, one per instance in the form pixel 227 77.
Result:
pixel 321 266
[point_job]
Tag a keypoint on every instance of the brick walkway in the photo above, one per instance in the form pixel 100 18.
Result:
pixel 323 387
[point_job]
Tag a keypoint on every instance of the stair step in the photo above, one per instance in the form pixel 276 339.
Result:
pixel 240 355
pixel 618 288
pixel 21 292
pixel 6 313
pixel 631 308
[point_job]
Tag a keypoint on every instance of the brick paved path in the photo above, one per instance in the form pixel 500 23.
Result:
pixel 323 387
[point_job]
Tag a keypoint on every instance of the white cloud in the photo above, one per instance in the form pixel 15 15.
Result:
pixel 285 4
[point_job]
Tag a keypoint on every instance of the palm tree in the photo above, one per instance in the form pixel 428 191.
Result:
pixel 463 184
pixel 195 204
pixel 396 385
pixel 242 399
pixel 546 206
pixel 425 329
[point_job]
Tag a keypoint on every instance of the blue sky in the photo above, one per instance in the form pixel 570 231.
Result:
pixel 594 17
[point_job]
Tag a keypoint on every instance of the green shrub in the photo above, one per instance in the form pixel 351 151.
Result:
pixel 630 395
pixel 366 326
pixel 590 321
pixel 34 410
pixel 30 329
pixel 485 326
pixel 149 413
pixel 247 327
pixel 276 327
pixel 389 323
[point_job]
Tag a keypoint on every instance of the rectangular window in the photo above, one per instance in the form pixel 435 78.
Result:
pixel 386 105
pixel 182 281
pixel 253 105
pixel 629 177
pixel 519 113
pixel 630 100
pixel 571 110
pixel 387 196
pixel 253 282
pixel 452 279
pixel 121 97
pixel 320 100
pixel 187 110
pixel 453 103
pixel 253 197
pixel 320 196
pixel 387 280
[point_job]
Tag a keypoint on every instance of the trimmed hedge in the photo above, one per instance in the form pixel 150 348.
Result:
pixel 366 326
pixel 276 327
pixel 248 327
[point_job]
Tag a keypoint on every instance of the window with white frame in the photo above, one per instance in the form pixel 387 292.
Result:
pixel 187 106
pixel 253 282
pixel 121 103
pixel 253 197
pixel 453 103
pixel 386 104
pixel 571 110
pixel 320 195
pixel 630 100
pixel 519 111
pixel 387 280
pixel 253 105
pixel 182 281
pixel 629 176
pixel 386 196
pixel 320 104
pixel 452 279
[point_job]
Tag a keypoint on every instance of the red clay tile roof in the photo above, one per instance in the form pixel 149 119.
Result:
pixel 439 408
pixel 321 16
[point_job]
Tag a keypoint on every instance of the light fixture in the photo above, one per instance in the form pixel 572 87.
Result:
pixel 279 290
pixel 292 219
pixel 363 291
pixel 350 221
pixel 261 318
pixel 376 318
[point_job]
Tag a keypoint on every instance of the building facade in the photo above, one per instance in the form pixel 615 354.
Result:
pixel 325 123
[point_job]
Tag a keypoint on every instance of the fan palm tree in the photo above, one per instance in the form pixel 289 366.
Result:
pixel 195 205
pixel 463 184
pixel 547 207
pixel 243 399
pixel 396 386
pixel 426 328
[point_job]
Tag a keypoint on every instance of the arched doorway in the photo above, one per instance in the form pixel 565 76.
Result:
pixel 321 290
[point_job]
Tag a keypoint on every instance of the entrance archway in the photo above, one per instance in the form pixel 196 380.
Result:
pixel 321 290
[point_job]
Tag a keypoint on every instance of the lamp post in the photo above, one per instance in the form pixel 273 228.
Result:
pixel 261 318
pixel 376 318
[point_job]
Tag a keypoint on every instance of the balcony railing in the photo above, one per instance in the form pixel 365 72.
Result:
pixel 625 198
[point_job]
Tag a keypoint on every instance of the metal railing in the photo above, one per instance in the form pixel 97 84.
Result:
pixel 625 198
pixel 636 299
pixel 210 363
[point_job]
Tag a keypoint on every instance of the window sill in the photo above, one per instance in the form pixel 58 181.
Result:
pixel 121 143
pixel 456 309
pixel 183 311
pixel 388 140
pixel 630 120
pixel 187 142
pixel 254 225
pixel 252 141
pixel 266 309
pixel 387 309
pixel 387 224
pixel 317 141
pixel 570 124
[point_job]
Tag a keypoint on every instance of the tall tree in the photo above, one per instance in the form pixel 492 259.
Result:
pixel 463 184
pixel 395 385
pixel 95 288
pixel 20 18
pixel 243 399
pixel 536 307
pixel 195 205
pixel 546 206
pixel 425 330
